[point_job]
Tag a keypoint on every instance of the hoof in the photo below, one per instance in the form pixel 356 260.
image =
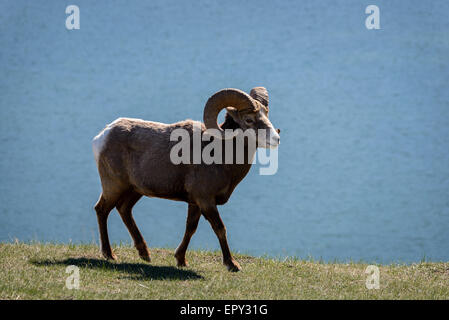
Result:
pixel 147 258
pixel 233 266
pixel 181 261
pixel 143 251
pixel 182 264
pixel 109 255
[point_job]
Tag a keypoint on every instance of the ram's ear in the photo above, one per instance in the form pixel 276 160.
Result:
pixel 260 94
pixel 233 113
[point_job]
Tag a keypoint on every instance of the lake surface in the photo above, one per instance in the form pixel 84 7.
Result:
pixel 364 155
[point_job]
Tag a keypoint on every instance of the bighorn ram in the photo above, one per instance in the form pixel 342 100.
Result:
pixel 133 160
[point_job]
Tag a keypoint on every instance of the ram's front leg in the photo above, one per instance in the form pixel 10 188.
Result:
pixel 212 215
pixel 193 217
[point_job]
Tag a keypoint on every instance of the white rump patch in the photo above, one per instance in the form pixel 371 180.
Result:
pixel 99 141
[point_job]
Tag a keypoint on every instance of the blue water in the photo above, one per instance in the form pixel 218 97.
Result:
pixel 364 158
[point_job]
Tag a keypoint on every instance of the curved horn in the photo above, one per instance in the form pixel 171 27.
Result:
pixel 260 94
pixel 226 98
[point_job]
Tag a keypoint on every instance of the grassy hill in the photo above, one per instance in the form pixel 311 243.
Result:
pixel 38 271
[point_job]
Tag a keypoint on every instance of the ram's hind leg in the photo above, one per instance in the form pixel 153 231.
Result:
pixel 103 208
pixel 124 207
pixel 193 217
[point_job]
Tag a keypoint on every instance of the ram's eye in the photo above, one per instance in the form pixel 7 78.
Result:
pixel 249 121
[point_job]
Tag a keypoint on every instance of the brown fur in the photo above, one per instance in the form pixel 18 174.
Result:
pixel 135 162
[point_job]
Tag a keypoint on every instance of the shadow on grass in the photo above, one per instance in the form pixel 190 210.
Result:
pixel 136 271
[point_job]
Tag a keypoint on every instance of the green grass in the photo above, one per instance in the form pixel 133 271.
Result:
pixel 37 271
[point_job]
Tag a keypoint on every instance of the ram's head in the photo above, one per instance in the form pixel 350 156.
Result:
pixel 248 111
